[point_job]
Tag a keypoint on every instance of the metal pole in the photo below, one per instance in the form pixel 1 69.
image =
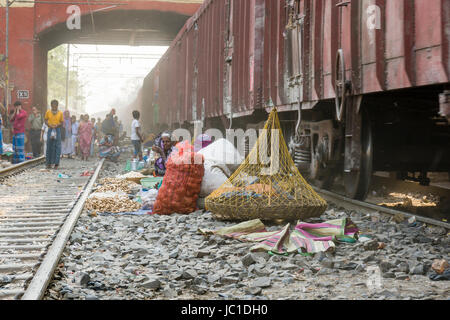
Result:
pixel 67 76
pixel 6 59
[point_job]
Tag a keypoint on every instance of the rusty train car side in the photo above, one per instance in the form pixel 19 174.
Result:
pixel 361 85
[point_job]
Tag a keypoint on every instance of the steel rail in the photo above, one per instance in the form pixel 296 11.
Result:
pixel 39 283
pixel 29 224
pixel 352 204
pixel 21 166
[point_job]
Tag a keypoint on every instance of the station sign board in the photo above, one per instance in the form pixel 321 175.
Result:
pixel 23 94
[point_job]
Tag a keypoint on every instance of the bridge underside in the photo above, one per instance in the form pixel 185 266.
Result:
pixel 135 28
pixel 127 27
pixel 36 29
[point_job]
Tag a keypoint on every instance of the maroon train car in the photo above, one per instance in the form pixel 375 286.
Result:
pixel 213 69
pixel 361 85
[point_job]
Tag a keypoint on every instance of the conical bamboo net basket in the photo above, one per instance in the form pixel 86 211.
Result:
pixel 268 185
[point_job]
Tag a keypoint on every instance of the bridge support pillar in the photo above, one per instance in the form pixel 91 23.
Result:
pixel 40 77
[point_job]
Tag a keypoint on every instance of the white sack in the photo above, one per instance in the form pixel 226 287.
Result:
pixel 213 178
pixel 221 152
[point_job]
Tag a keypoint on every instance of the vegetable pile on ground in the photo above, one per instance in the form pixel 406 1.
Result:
pixel 116 184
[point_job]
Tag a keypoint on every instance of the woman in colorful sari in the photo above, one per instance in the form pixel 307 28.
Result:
pixel 85 136
pixel 163 146
pixel 107 149
pixel 66 144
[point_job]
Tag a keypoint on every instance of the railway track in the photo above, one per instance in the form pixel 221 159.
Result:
pixel 36 221
pixel 351 204
pixel 37 215
pixel 18 168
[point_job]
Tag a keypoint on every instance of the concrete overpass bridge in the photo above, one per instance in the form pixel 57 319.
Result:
pixel 35 27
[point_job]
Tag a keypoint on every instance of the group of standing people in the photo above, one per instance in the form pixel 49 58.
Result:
pixel 19 117
pixel 78 136
pixel 62 135
pixel 57 132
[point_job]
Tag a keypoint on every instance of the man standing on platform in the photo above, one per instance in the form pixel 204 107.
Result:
pixel 54 119
pixel 35 120
pixel 19 117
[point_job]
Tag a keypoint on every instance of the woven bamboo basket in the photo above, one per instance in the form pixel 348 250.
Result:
pixel 267 185
pixel 263 208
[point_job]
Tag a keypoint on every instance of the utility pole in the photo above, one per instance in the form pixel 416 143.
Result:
pixel 67 76
pixel 7 57
pixel 7 137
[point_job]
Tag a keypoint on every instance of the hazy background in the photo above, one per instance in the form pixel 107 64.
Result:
pixel 101 77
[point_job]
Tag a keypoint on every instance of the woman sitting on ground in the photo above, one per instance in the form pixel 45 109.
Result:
pixel 107 149
pixel 163 147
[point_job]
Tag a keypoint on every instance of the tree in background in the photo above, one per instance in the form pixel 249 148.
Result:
pixel 57 68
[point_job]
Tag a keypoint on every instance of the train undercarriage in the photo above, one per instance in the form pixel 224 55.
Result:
pixel 404 133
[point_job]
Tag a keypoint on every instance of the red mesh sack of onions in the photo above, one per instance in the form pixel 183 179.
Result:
pixel 182 181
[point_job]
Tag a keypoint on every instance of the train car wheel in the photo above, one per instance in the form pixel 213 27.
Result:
pixel 357 183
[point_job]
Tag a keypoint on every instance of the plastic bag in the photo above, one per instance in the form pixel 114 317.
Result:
pixel 7 148
pixel 149 195
pixel 182 181
pixel 148 198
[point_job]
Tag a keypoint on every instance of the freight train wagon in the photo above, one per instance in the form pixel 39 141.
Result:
pixel 361 85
